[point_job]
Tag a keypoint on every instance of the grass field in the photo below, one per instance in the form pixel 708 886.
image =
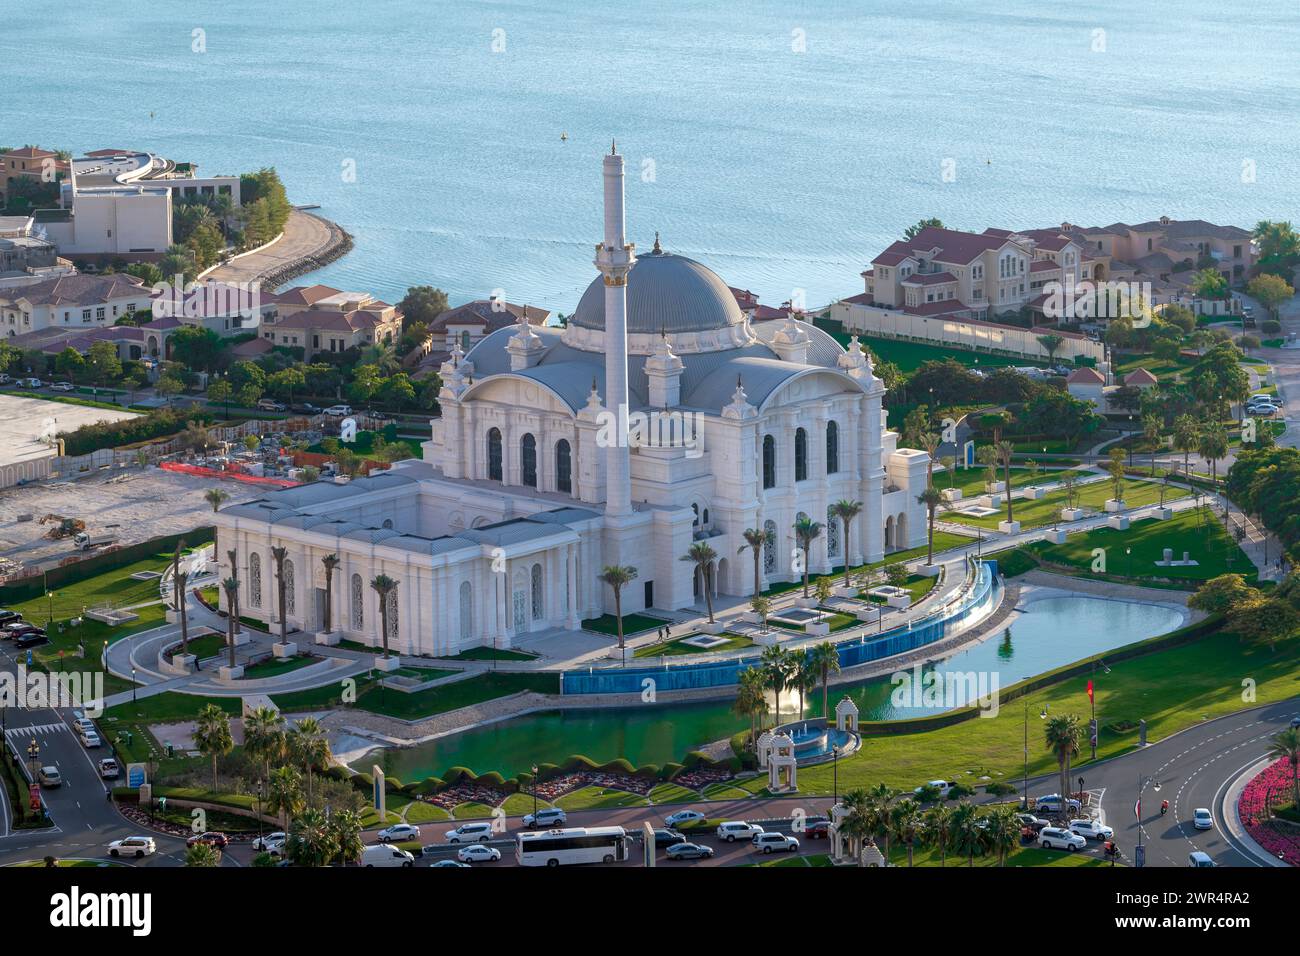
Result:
pixel 599 798
pixel 632 624
pixel 677 648
pixel 489 654
pixel 1047 509
pixel 275 666
pixel 909 356
pixel 943 541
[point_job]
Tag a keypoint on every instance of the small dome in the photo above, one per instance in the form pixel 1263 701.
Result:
pixel 665 293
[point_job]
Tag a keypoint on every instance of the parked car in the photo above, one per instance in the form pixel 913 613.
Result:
pixel 19 628
pixel 1200 858
pixel 1028 820
pixel 4 378
pixel 381 855
pixel 682 816
pixel 108 769
pixel 665 837
pixel 49 777
pixel 1265 410
pixel 31 383
pixel 270 842
pixel 478 853
pixel 688 851
pixel 1091 829
pixel 1202 819
pixel 470 833
pixel 817 829
pixel 31 639
pixel 82 724
pixel 1052 803
pixel 9 617
pixel 550 818
pixel 398 832
pixel 211 838
pixel 62 387
pixel 942 786
pixel 305 408
pixel 338 411
pixel 772 842
pixel 270 405
pixel 1056 838
pixel 733 830
pixel 136 846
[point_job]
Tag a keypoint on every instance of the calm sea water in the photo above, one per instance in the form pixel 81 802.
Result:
pixel 782 170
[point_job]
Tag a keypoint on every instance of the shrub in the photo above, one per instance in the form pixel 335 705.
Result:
pixel 999 788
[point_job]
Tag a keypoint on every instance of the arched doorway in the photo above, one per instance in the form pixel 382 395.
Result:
pixel 889 533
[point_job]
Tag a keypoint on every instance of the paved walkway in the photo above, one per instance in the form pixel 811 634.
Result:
pixel 306 241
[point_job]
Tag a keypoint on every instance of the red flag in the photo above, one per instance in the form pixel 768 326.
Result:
pixel 1090 692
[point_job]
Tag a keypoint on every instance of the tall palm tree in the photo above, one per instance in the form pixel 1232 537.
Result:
pixel 212 736
pixel 215 497
pixel 618 576
pixel 310 746
pixel 1212 445
pixel 931 498
pixel 776 669
pixel 233 606
pixel 967 834
pixel 347 835
pixel 1186 433
pixel 331 563
pixel 1005 451
pixel 231 584
pixel 880 799
pixel 284 794
pixel 751 699
pixel 703 556
pixel 846 511
pixel 1002 831
pixel 857 824
pixel 755 540
pixel 806 531
pixel 1062 734
pixel 905 823
pixel 279 555
pixel 383 585
pixel 1285 745
pixel 930 442
pixel 938 830
pixel 825 661
pixel 178 596
pixel 312 840
pixel 264 737
pixel 804 678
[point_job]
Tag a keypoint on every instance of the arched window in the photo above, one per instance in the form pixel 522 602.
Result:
pixel 769 461
pixel 538 608
pixel 832 448
pixel 290 604
pixel 563 467
pixel 800 455
pixel 832 534
pixel 466 610
pixel 528 461
pixel 769 547
pixel 494 454
pixel 358 603
pixel 388 524
pixel 464 341
pixel 255 579
pixel 705 519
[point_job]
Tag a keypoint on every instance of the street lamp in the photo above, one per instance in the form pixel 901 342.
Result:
pixel 1042 716
pixel 534 793
pixel 1140 856
pixel 133 685
pixel 49 624
pixel 1128 562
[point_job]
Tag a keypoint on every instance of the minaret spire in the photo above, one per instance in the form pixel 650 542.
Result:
pixel 615 258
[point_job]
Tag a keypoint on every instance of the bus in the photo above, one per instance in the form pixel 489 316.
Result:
pixel 571 845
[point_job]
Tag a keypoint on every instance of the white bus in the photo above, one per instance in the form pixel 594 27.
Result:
pixel 572 845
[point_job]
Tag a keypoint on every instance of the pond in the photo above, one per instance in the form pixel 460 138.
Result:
pixel 1052 631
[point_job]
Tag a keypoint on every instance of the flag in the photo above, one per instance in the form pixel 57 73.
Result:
pixel 1090 700
pixel 1137 810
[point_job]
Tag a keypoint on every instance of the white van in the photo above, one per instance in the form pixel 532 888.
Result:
pixel 385 855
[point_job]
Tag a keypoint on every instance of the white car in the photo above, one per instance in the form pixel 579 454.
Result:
pixel 108 769
pixel 1202 819
pixel 1054 838
pixel 943 786
pixel 771 842
pixel 733 830
pixel 82 724
pixel 63 387
pixel 1091 829
pixel 1051 803
pixel 549 818
pixel 91 739
pixel 398 832
pixel 1263 409
pixel 49 777
pixel 682 816
pixel 338 410
pixel 136 846
pixel 478 853
pixel 272 843
pixel 470 833
pixel 385 856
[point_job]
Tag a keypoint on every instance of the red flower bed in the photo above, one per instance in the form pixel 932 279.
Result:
pixel 1279 838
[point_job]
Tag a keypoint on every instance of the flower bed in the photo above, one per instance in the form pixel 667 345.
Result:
pixel 453 797
pixel 701 777
pixel 1280 838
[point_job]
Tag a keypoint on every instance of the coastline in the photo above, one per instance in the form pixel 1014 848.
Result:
pixel 309 242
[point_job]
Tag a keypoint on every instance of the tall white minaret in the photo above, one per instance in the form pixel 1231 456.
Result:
pixel 614 258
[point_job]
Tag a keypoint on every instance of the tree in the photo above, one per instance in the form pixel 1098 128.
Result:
pixel 1210 284
pixel 846 510
pixel 777 670
pixel 911 232
pixel 347 835
pixel 950 466
pixel 755 540
pixel 330 562
pixel 312 840
pixel 762 606
pixel 202 855
pixel 1270 290
pixel 856 824
pixel 69 364
pixel 1050 343
pixel 618 577
pixel 102 364
pixel 931 498
pixel 1265 619
pixel 264 737
pixel 1070 484
pixel 1002 830
pixel 215 497
pixel 169 386
pixel 987 455
pixel 421 305
pixel 1221 594
pixel 220 393
pixel 279 555
pixel 212 736
pixel 1062 734
pixel 968 836
pixel 937 830
pixel 383 585
pixel 806 531
pixel 825 661
pixel 231 586
pixel 179 260
pixel 310 747
pixel 703 556
pixel 284 794
pixel 1186 435
pixel 1115 468
pixel 249 395
pixel 751 699
pixel 1276 240
pixel 1006 451
pixel 284 382
pixel 1212 445
pixel 178 596
pixel 880 799
pixel 1285 745
pixel 397 391
pixel 905 823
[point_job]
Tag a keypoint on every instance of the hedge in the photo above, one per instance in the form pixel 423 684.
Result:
pixel 158 423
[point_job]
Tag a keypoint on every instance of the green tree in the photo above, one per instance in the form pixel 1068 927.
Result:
pixel 347 835
pixel 284 794
pixel 264 737
pixel 911 232
pixel 1187 433
pixel 751 699
pixel 285 382
pixel 310 747
pixel 755 540
pixel 397 391
pixel 421 305
pixel 1002 831
pixel 383 586
pixel 937 829
pixel 618 577
pixel 102 364
pixel 1210 284
pixel 202 855
pixel 1270 290
pixel 825 660
pixel 968 837
pixel 1062 734
pixel 212 736
pixel 806 531
pixel 1115 468
pixel 1212 445
pixel 846 510
pixel 220 393
pixel 1221 594
pixel 905 823
pixel 931 498
pixel 703 556
pixel 312 839
pixel 1285 745
pixel 169 386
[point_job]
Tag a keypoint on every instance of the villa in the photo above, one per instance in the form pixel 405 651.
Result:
pixel 320 319
pixel 71 302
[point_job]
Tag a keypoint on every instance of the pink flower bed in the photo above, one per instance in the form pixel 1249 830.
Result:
pixel 1280 838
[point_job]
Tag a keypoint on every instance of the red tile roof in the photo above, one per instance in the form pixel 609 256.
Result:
pixel 1085 376
pixel 930 278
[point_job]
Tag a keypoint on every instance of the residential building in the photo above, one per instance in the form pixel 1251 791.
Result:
pixel 321 319
pixel 71 302
pixel 32 162
pixel 467 325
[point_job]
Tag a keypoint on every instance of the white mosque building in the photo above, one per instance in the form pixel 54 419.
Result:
pixel 525 493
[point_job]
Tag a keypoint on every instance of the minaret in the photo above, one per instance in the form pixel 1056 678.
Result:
pixel 615 258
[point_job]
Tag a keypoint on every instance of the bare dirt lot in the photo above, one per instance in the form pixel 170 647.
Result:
pixel 132 504
pixel 24 420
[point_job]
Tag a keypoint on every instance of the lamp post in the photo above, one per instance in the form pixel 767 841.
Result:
pixel 534 788
pixel 1128 562
pixel 133 686
pixel 1041 716
pixel 49 597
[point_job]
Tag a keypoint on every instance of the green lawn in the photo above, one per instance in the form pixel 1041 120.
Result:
pixel 208 645
pixel 170 706
pixel 275 666
pixel 671 793
pixel 421 812
pixel 971 480
pixel 1047 510
pixel 1199 534
pixel 909 356
pixel 445 697
pixel 918 585
pixel 1209 679
pixel 677 648
pixel 517 804
pixel 489 654
pixel 943 541
pixel 599 798
pixel 632 624
pixel 329 695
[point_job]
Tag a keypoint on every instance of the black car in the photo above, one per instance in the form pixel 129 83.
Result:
pixel 9 617
pixel 304 408
pixel 666 837
pixel 31 639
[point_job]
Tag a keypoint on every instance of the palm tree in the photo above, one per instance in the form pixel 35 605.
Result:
pixel 857 823
pixel 215 497
pixel 1002 831
pixel 751 699
pixel 930 442
pixel 618 577
pixel 846 511
pixel 1212 445
pixel 755 540
pixel 383 585
pixel 284 794
pixel 938 830
pixel 347 835
pixel 178 596
pixel 312 840
pixel 703 557
pixel 806 531
pixel 776 670
pixel 330 562
pixel 280 554
pixel 904 823
pixel 1285 745
pixel 987 455
pixel 310 746
pixel 762 606
pixel 950 466
pixel 1070 483
pixel 1005 450
pixel 825 661
pixel 805 677
pixel 212 736
pixel 1186 434
pixel 931 499
pixel 880 798
pixel 1062 734
pixel 231 584
pixel 233 608
pixel 264 737
pixel 202 855
pixel 967 834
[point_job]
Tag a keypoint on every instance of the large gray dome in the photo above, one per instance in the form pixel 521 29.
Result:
pixel 665 293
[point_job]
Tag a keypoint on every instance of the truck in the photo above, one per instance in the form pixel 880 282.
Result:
pixel 85 541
